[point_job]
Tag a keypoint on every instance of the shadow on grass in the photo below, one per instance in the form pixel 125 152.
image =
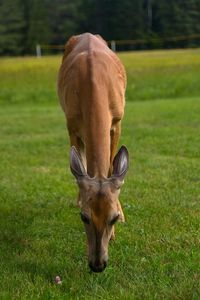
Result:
pixel 39 245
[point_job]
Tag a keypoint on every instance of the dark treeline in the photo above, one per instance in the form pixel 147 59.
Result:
pixel 25 23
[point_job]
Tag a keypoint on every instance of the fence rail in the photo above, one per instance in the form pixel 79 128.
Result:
pixel 114 43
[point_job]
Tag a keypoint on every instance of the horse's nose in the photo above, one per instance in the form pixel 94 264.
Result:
pixel 98 267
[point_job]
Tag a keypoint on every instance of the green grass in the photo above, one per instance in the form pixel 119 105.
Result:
pixel 156 252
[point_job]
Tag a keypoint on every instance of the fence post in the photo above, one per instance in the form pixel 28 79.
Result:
pixel 38 51
pixel 113 46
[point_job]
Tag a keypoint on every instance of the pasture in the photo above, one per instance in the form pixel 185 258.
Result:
pixel 156 254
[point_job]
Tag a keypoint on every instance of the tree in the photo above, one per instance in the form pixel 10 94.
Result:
pixel 176 18
pixel 64 17
pixel 38 29
pixel 11 27
pixel 113 19
pixel 25 23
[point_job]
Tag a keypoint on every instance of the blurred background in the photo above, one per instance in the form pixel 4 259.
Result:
pixel 132 24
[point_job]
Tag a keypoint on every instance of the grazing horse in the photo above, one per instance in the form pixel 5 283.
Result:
pixel 91 88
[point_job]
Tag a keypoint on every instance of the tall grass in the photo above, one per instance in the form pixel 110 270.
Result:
pixel 151 75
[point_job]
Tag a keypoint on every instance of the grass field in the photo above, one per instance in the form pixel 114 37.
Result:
pixel 156 254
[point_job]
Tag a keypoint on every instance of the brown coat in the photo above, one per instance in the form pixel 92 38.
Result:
pixel 91 88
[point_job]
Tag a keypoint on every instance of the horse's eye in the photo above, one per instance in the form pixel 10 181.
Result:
pixel 114 220
pixel 85 218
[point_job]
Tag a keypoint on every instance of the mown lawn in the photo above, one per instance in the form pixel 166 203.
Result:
pixel 156 254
